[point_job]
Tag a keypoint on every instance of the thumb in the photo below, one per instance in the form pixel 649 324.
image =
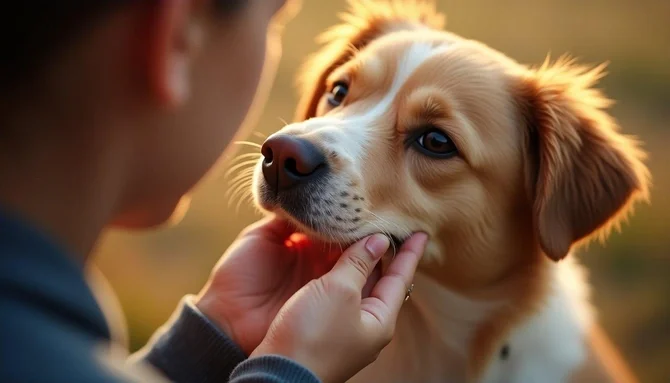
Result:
pixel 357 262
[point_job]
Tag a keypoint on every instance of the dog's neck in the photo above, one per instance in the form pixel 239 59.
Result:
pixel 453 317
pixel 473 320
pixel 455 336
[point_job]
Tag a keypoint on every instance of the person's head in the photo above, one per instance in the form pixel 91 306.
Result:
pixel 161 87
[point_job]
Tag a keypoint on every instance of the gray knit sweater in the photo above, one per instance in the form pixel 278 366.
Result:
pixel 52 329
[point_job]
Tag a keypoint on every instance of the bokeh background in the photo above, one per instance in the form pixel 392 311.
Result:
pixel 631 274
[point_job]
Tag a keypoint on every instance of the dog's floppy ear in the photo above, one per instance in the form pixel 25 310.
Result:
pixel 583 174
pixel 365 21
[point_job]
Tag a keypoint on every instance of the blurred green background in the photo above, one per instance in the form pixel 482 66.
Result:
pixel 630 274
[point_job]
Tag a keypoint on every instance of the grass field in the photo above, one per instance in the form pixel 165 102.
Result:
pixel 631 274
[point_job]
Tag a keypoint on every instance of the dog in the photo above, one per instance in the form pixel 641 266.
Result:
pixel 404 127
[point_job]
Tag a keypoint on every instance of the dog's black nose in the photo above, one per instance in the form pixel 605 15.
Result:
pixel 290 160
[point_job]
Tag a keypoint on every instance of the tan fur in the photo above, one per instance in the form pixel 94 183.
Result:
pixel 366 21
pixel 587 171
pixel 541 165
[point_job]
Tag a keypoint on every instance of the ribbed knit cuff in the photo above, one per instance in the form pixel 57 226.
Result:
pixel 272 369
pixel 190 348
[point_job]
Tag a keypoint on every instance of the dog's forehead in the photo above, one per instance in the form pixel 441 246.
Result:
pixel 405 53
pixel 404 62
pixel 352 134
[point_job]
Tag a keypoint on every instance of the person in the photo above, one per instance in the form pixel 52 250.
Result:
pixel 111 113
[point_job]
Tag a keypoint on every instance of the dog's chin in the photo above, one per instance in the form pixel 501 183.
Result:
pixel 396 242
pixel 323 233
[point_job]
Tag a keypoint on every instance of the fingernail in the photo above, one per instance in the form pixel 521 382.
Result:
pixel 422 236
pixel 377 245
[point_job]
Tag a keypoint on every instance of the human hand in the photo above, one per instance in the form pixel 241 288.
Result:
pixel 258 273
pixel 329 327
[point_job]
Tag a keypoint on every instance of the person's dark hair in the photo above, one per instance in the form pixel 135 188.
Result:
pixel 34 30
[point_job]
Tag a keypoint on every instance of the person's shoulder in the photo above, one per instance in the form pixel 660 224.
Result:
pixel 38 347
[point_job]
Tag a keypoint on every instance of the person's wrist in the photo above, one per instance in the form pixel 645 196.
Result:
pixel 293 353
pixel 209 306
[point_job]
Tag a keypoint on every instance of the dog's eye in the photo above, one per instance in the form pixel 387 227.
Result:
pixel 435 143
pixel 338 93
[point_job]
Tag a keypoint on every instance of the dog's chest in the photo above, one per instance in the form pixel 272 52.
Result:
pixel 435 328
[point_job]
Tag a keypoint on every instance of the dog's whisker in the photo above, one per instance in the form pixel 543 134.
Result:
pixel 260 135
pixel 241 166
pixel 236 189
pixel 246 196
pixel 244 156
pixel 231 200
pixel 283 121
pixel 402 230
pixel 339 243
pixel 246 168
pixel 244 174
pixel 241 179
pixel 248 143
pixel 240 188
pixel 383 220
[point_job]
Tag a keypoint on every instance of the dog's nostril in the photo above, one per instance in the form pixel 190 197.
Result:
pixel 291 167
pixel 267 154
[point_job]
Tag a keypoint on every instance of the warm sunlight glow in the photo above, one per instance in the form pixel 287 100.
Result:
pixel 296 240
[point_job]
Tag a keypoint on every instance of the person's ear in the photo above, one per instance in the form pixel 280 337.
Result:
pixel 174 38
pixel 583 175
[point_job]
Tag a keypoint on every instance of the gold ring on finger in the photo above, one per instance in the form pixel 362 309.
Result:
pixel 409 292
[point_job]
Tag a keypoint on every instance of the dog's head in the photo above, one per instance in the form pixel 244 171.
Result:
pixel 403 127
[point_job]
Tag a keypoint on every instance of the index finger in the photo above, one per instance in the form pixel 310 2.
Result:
pixel 391 289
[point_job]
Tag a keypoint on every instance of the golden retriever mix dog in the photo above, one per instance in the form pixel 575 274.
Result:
pixel 404 127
